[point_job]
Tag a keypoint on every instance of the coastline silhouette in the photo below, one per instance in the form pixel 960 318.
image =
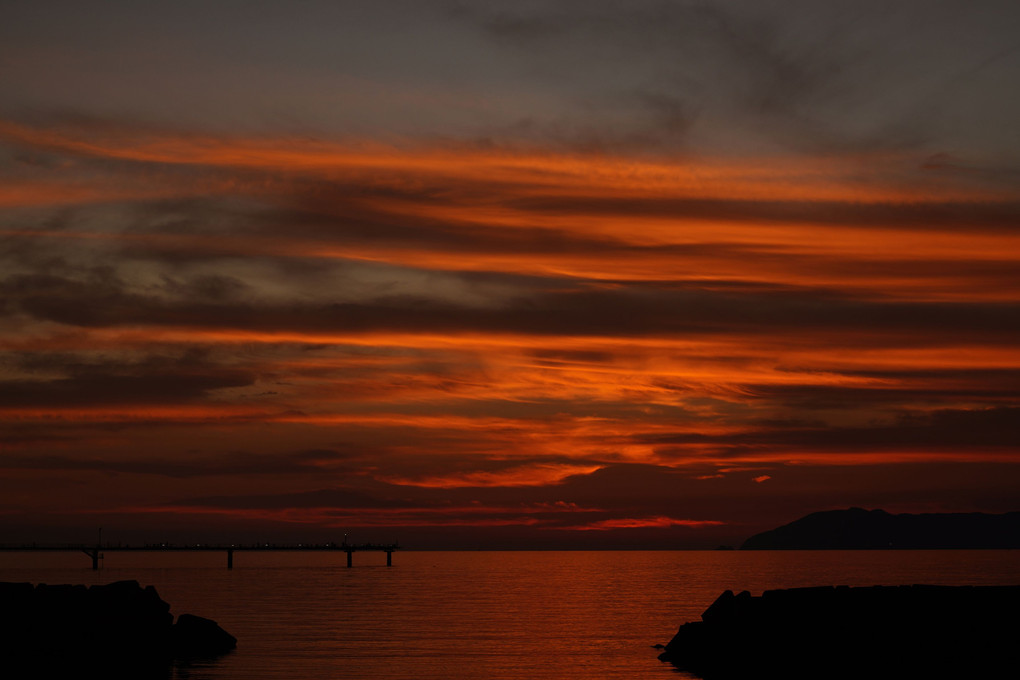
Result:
pixel 859 529
pixel 841 632
pixel 120 628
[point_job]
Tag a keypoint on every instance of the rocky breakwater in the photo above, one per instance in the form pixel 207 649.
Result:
pixel 840 632
pixel 120 628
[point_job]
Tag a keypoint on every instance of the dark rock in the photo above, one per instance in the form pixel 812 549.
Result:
pixel 196 636
pixel 878 632
pixel 119 627
pixel 720 610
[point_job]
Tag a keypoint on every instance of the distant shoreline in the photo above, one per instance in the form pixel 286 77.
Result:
pixel 859 529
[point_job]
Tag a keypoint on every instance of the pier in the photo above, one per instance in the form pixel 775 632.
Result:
pixel 96 552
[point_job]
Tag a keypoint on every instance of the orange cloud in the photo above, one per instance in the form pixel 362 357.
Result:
pixel 502 319
pixel 645 523
pixel 540 172
pixel 775 221
pixel 528 475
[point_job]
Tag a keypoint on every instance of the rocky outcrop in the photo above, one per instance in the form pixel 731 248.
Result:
pixel 859 529
pixel 840 632
pixel 119 626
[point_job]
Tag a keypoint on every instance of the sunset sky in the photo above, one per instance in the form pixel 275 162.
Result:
pixel 479 273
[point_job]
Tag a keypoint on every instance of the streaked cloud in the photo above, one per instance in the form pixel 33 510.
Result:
pixel 623 261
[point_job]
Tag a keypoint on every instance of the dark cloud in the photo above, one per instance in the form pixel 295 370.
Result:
pixel 804 75
pixel 155 380
pixel 963 431
pixel 813 397
pixel 747 60
pixel 926 216
pixel 104 301
pixel 322 461
pixel 100 390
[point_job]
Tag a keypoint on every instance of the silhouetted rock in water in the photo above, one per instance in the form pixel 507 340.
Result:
pixel 121 628
pixel 857 529
pixel 196 636
pixel 840 632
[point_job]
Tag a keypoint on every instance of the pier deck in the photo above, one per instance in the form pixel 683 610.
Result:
pixel 96 551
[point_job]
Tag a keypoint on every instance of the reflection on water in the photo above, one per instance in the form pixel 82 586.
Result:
pixel 502 615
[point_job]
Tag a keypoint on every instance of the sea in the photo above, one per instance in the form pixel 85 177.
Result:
pixel 478 615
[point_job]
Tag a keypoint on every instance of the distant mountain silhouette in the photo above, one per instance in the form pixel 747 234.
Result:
pixel 858 529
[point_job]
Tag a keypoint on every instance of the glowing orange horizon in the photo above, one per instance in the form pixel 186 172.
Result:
pixel 485 516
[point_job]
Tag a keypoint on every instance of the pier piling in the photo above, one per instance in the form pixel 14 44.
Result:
pixel 94 554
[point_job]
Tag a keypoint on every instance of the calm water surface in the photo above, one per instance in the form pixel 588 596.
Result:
pixel 466 615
